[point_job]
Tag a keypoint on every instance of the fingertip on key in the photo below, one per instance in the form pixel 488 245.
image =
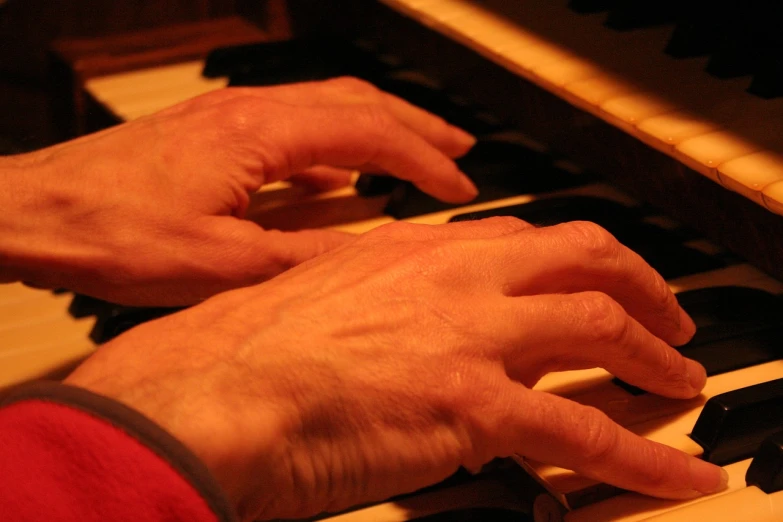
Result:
pixel 697 375
pixel 708 478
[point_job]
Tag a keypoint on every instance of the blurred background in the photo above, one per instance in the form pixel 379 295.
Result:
pixel 29 79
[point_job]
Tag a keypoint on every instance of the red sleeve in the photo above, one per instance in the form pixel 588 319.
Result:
pixel 69 455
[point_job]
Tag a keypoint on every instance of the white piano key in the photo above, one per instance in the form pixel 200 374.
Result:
pixel 747 504
pixel 666 131
pixel 750 174
pixel 706 152
pixel 629 110
pixel 597 90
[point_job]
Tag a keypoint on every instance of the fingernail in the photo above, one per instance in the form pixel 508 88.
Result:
pixel 697 375
pixel 467 186
pixel 708 478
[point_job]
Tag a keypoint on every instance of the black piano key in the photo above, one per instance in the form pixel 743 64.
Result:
pixel 477 514
pixel 499 169
pixel 766 468
pixel 735 353
pixel 109 326
pixel 671 259
pixel 768 78
pixel 698 29
pixel 302 59
pixel 635 14
pixel 730 311
pixel 419 91
pixel 732 59
pixel 733 425
pixel 591 6
pixel 370 185
pixel 85 306
pixel 736 328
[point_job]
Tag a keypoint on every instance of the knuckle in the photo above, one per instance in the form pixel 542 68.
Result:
pixel 598 435
pixel 595 240
pixel 396 230
pixel 376 121
pixel 606 320
pixel 233 112
pixel 354 85
pixel 658 467
pixel 506 224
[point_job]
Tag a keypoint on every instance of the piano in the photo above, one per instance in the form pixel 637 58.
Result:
pixel 628 109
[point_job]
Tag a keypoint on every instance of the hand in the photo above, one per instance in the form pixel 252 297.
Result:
pixel 149 212
pixel 386 364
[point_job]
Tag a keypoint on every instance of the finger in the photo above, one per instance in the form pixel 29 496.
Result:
pixel 557 431
pixel 592 260
pixel 323 178
pixel 591 330
pixel 345 136
pixel 450 140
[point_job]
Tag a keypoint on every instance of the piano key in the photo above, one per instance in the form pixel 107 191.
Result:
pixel 119 92
pixel 634 14
pixel 698 28
pixel 85 306
pixel 301 59
pixel 591 6
pixel 766 469
pixel 733 425
pixel 369 185
pixel 654 73
pixel 705 153
pixel 499 169
pixel 40 306
pixel 746 504
pixel 633 507
pixel 772 195
pixel 121 319
pixel 722 312
pixel 423 92
pixel 490 493
pixel 768 79
pixel 725 354
pixel 53 361
pixel 750 175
